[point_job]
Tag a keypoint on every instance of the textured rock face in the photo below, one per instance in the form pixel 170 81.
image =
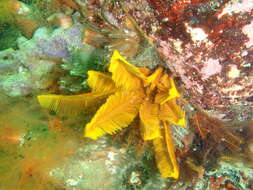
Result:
pixel 22 73
pixel 214 58
pixel 30 68
pixel 208 44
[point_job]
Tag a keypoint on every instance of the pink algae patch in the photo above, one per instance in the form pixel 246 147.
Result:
pixel 237 6
pixel 248 30
pixel 210 68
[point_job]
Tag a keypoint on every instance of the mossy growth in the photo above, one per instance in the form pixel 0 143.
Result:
pixel 139 172
pixel 6 13
pixel 8 31
pixel 8 35
pixel 76 68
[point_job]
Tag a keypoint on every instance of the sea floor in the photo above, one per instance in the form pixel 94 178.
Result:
pixel 48 47
pixel 41 151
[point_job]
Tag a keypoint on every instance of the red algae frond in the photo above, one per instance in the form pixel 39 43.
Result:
pixel 216 130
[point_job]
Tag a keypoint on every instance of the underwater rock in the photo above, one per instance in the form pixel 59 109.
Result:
pixel 208 44
pixel 92 161
pixel 228 175
pixel 22 73
pixel 214 58
pixel 58 43
pixel 29 68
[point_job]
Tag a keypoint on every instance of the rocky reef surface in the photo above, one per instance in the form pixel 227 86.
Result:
pixel 206 45
pixel 29 68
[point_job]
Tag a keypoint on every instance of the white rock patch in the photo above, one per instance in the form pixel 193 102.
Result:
pixel 248 30
pixel 234 72
pixel 236 6
pixel 197 34
pixel 210 68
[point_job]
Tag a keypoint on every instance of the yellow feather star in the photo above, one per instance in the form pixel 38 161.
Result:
pixel 131 92
pixel 118 112
pixel 124 74
pixel 100 82
pixel 149 120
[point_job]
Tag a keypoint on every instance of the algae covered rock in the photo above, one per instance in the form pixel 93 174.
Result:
pixel 31 66
pixel 23 73
pixel 58 43
pixel 207 44
pixel 91 162
pixel 8 35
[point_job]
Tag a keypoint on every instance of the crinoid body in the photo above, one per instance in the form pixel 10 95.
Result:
pixel 129 92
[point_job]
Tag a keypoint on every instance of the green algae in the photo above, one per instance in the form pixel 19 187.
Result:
pixel 8 35
pixel 76 68
pixel 39 150
pixel 28 147
pixel 6 15
pixel 144 166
